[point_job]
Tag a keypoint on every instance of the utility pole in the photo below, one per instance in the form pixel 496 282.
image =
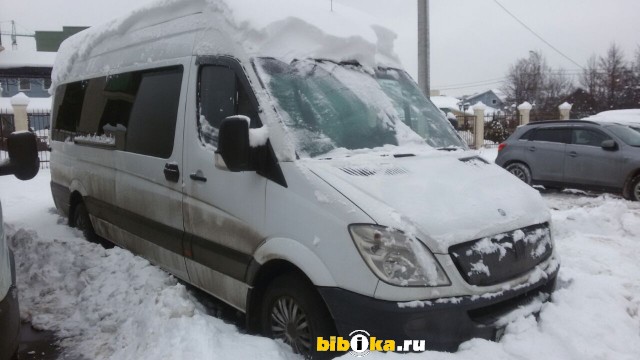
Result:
pixel 424 48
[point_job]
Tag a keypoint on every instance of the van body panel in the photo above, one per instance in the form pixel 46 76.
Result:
pixel 446 207
pixel 317 216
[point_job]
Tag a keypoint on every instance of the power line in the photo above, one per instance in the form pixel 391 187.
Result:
pixel 537 35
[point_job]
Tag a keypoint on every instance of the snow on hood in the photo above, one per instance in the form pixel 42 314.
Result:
pixel 285 29
pixel 447 198
pixel 627 116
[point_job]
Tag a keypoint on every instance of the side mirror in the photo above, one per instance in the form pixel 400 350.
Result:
pixel 23 159
pixel 609 145
pixel 233 152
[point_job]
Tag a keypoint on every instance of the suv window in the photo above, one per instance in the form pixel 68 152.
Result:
pixel 588 137
pixel 221 94
pixel 555 135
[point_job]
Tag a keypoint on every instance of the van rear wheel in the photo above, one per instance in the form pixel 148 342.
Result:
pixel 292 311
pixel 82 222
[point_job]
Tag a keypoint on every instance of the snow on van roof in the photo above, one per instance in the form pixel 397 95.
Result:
pixel 285 29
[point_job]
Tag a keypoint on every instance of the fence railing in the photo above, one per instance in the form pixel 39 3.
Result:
pixel 466 126
pixel 498 127
pixel 38 124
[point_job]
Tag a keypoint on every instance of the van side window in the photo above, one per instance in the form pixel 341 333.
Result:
pixel 69 111
pixel 139 109
pixel 221 94
pixel 152 124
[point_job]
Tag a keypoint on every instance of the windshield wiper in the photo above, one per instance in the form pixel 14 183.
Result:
pixel 449 149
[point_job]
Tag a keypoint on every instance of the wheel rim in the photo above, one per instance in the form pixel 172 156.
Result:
pixel 519 173
pixel 289 323
pixel 636 191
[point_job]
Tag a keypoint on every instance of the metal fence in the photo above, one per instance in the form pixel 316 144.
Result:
pixel 498 127
pixel 466 127
pixel 6 127
pixel 38 124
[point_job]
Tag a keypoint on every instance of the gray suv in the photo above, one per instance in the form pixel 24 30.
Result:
pixel 582 154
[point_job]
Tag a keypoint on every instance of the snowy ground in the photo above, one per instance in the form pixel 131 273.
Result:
pixel 109 304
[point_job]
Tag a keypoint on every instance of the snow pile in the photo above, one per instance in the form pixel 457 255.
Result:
pixel 95 139
pixel 629 116
pixel 109 304
pixel 285 29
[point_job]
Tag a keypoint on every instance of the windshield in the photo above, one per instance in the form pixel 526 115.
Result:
pixel 626 134
pixel 332 106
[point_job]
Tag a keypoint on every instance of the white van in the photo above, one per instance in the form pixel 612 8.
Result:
pixel 292 173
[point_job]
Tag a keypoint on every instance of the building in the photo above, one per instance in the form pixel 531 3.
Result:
pixel 493 98
pixel 28 72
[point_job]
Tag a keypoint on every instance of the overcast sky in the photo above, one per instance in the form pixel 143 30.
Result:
pixel 473 41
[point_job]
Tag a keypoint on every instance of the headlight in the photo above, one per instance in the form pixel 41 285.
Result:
pixel 396 258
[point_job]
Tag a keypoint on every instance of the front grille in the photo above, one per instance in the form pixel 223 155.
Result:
pixel 492 260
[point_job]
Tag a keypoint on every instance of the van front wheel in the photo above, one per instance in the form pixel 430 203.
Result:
pixel 293 312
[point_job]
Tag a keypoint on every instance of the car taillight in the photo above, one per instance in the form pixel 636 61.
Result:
pixel 502 146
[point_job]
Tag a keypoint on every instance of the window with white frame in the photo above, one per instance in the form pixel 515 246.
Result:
pixel 24 85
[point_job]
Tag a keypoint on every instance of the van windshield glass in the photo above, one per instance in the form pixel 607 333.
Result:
pixel 329 106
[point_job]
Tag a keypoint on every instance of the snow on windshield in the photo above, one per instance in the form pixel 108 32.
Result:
pixel 329 106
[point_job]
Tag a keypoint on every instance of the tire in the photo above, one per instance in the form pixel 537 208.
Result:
pixel 521 171
pixel 291 300
pixel 82 222
pixel 634 189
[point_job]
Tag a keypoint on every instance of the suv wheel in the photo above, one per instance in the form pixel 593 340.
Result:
pixel 521 171
pixel 634 189
pixel 293 312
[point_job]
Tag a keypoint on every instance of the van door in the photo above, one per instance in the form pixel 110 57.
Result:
pixel 148 182
pixel 224 212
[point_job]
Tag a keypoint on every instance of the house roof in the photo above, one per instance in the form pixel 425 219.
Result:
pixel 22 58
pixel 497 92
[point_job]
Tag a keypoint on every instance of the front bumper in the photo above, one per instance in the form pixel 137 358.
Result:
pixel 443 323
pixel 9 319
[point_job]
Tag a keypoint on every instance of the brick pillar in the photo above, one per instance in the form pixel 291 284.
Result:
pixel 478 111
pixel 19 103
pixel 525 112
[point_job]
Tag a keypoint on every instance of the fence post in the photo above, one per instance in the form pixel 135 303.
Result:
pixel 565 111
pixel 478 111
pixel 19 103
pixel 525 112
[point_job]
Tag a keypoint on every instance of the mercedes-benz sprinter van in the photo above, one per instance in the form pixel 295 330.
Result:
pixel 297 175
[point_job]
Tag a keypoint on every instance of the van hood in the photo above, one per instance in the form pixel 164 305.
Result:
pixel 445 198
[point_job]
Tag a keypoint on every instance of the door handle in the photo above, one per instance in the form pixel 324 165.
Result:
pixel 532 148
pixel 573 154
pixel 197 176
pixel 172 172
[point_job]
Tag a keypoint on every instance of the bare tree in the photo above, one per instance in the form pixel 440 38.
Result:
pixel 614 76
pixel 590 78
pixel 532 79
